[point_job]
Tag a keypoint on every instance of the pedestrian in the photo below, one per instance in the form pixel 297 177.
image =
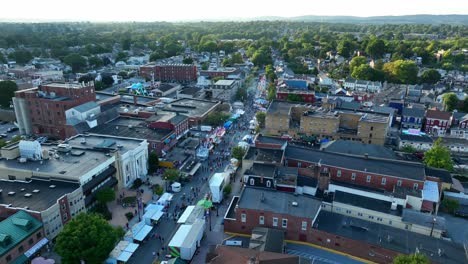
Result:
pixel 154 254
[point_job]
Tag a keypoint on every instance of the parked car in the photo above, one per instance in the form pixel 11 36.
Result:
pixel 12 129
pixel 3 135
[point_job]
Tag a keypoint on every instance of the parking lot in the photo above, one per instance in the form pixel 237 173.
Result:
pixel 4 131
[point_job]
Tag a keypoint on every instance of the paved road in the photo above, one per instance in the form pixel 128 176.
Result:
pixel 457 228
pixel 167 227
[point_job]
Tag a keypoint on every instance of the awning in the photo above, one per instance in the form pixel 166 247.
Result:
pixel 124 256
pixel 142 233
pixel 156 216
pixel 36 247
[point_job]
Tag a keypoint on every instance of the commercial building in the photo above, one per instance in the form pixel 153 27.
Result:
pixel 21 236
pixel 220 72
pixel 272 209
pixel 224 89
pixel 41 111
pixel 170 72
pixel 53 202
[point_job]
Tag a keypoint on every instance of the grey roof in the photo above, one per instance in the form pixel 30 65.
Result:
pixel 391 238
pixel 442 174
pixel 270 140
pixel 260 169
pixel 279 202
pixel 177 119
pixel 86 107
pixel 366 202
pixel 40 201
pixel 279 107
pixel 415 112
pixel 265 155
pixel 267 239
pixel 131 128
pixel 358 148
pixel 458 115
pixel 401 169
pixel 423 219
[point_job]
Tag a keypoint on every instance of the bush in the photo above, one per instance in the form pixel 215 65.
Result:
pixel 227 190
pixel 101 208
pixel 137 183
pixel 158 190
pixel 129 216
pixel 129 200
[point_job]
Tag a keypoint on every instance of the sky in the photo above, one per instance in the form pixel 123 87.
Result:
pixel 183 10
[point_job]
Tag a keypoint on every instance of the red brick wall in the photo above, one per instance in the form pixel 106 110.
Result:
pixel 267 145
pixel 161 125
pixel 361 177
pixel 306 97
pixel 64 209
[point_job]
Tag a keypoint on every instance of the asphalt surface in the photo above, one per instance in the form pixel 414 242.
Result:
pixel 168 226
pixel 4 128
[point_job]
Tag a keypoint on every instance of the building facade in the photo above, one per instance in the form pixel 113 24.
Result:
pixel 170 72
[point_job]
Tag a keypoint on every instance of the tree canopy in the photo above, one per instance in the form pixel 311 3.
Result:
pixel 261 118
pixel 438 156
pixel 238 152
pixel 105 195
pixel 153 162
pixel 411 259
pixel 430 76
pixel 7 89
pixel 171 175
pixel 450 101
pixel 87 237
pixel 401 71
pixel 75 61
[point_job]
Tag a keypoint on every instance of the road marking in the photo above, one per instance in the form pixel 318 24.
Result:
pixel 310 256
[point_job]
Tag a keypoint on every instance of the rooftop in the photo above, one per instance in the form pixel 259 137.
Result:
pixel 267 239
pixel 416 138
pixel 42 195
pixel 15 229
pixel 279 202
pixel 358 148
pixel 264 155
pixel 191 107
pixel 423 219
pixel 225 82
pixel 261 169
pixel 86 107
pixel 415 112
pixel 394 168
pixel 438 114
pixel 131 128
pixel 279 107
pixel 388 237
pixel 65 85
pixel 366 202
pixel 269 140
pixel 236 255
pixel 443 175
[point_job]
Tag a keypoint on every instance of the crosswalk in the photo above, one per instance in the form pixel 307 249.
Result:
pixel 316 259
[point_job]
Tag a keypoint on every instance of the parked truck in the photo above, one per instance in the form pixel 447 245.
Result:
pixel 186 240
pixel 217 183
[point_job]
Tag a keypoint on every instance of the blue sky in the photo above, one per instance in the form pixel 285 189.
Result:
pixel 176 10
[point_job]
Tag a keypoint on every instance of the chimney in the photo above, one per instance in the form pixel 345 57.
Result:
pixel 366 155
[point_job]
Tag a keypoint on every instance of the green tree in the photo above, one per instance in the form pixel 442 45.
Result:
pixel 375 48
pixel 121 56
pixel 153 162
pixel 438 156
pixel 216 118
pixel 262 57
pixel 123 74
pixel 450 205
pixel 158 189
pixel 88 238
pixel 157 55
pixel 238 152
pixel 2 58
pixel 105 195
pixel 187 60
pixel 408 149
pixel 411 259
pixel 171 175
pixel 450 101
pixel 401 71
pixel 261 116
pixel 107 80
pixel 363 72
pixel 227 190
pixel 464 107
pixel 430 76
pixel 205 65
pixel 75 61
pixel 7 89
pixel 294 98
pixel 95 62
pixel 345 47
pixel 356 62
pixel 21 56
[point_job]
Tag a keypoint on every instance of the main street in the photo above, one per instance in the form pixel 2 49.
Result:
pixel 168 226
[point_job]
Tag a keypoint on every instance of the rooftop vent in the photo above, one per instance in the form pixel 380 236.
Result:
pixel 52 186
pixel 11 193
pixel 36 191
pixel 27 195
pixel 295 204
pixel 23 189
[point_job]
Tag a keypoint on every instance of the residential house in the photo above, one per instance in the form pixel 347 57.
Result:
pixel 459 127
pixel 412 118
pixel 437 122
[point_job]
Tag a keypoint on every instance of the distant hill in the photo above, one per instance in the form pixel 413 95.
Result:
pixel 409 19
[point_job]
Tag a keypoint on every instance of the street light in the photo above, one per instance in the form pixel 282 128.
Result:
pixel 434 220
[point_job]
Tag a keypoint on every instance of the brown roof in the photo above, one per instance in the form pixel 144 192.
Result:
pixel 237 255
pixel 438 114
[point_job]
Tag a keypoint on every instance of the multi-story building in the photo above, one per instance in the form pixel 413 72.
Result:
pixel 412 118
pixel 220 72
pixel 321 124
pixel 459 127
pixel 437 122
pixel 278 117
pixel 170 72
pixel 21 236
pixel 362 85
pixel 279 210
pixel 53 202
pixel 41 111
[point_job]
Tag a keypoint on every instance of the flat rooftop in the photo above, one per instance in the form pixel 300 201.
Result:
pixel 131 128
pixel 61 166
pixel 401 169
pixel 323 114
pixel 264 155
pixel 38 201
pixel 225 82
pixel 94 141
pixel 279 107
pixel 279 202
pixel 366 202
pixel 65 85
pixel 261 169
pixel 358 148
pixel 388 237
pixel 191 107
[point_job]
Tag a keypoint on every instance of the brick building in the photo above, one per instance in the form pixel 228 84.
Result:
pixel 437 122
pixel 170 72
pixel 21 236
pixel 267 208
pixel 41 111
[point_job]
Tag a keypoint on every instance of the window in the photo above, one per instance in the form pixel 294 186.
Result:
pixel 39 235
pixel 398 183
pixel 370 135
pixel 284 224
pixel 359 214
pixel 368 179
pixel 21 249
pixel 371 217
pixel 275 221
pixel 338 173
pixel 304 225
pixel 415 186
pixel 353 176
pixel 299 164
pixel 384 181
pixel 252 182
pixel 31 241
pixel 390 222
pixel 268 184
pixel 243 218
pixel 8 258
pixel 379 219
pixel 371 128
pixel 261 220
pixel 348 211
pixel 325 169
